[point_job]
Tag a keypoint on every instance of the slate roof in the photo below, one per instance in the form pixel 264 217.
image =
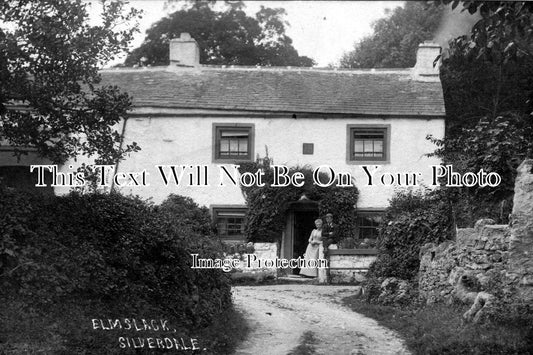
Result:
pixel 295 90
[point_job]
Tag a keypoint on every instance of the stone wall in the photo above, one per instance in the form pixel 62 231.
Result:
pixel 262 251
pixel 489 256
pixel 350 265
pixel 481 253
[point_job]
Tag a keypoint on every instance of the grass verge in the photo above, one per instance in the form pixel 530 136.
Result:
pixel 438 329
pixel 306 346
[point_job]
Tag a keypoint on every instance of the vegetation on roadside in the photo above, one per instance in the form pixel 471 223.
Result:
pixel 414 218
pixel 66 261
pixel 438 329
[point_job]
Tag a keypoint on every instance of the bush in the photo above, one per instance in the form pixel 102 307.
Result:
pixel 413 219
pixel 184 212
pixel 118 255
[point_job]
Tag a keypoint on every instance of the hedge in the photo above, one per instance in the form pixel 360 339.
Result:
pixel 121 255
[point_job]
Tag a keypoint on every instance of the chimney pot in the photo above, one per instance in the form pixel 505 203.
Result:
pixel 184 51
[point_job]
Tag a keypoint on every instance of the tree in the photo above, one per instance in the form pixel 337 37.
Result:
pixel 475 87
pixel 225 37
pixel 49 61
pixel 489 72
pixel 487 79
pixel 504 32
pixel 396 38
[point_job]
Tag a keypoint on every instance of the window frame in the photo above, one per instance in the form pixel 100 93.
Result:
pixel 217 209
pixel 363 213
pixel 351 159
pixel 218 128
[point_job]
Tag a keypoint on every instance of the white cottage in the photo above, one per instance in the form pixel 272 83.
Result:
pixel 188 114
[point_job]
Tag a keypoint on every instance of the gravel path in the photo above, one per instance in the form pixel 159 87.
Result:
pixel 279 315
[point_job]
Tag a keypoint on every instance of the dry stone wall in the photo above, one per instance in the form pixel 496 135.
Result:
pixel 481 253
pixel 496 259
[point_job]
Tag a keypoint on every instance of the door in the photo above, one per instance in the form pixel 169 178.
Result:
pixel 300 222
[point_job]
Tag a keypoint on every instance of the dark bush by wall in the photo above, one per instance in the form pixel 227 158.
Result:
pixel 121 254
pixel 412 220
pixel 183 212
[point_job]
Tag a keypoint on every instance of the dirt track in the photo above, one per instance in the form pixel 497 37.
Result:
pixel 279 315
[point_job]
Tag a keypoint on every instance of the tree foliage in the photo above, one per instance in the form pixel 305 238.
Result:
pixel 225 37
pixel 474 87
pixel 487 79
pixel 489 72
pixel 49 61
pixel 396 38
pixel 504 31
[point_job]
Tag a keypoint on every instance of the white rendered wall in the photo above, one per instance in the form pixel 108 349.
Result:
pixel 188 141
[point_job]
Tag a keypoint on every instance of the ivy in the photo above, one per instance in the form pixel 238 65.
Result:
pixel 268 205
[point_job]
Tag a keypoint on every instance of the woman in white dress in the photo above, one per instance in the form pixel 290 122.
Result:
pixel 311 253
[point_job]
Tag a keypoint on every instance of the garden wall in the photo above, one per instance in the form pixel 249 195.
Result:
pixel 481 252
pixel 346 265
pixel 263 251
pixel 350 265
pixel 491 255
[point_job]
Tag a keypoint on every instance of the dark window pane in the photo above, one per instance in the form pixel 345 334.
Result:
pixel 368 143
pixel 233 143
pixel 368 225
pixel 230 223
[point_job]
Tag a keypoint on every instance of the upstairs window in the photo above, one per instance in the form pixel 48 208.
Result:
pixel 368 143
pixel 233 142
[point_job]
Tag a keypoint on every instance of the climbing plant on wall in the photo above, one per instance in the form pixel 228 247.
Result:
pixel 267 205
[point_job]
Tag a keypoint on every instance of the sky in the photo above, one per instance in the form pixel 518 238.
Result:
pixel 322 30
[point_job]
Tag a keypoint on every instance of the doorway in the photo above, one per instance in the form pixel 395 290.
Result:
pixel 299 224
pixel 304 223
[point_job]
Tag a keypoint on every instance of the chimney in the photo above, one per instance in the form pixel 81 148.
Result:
pixel 184 51
pixel 425 56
